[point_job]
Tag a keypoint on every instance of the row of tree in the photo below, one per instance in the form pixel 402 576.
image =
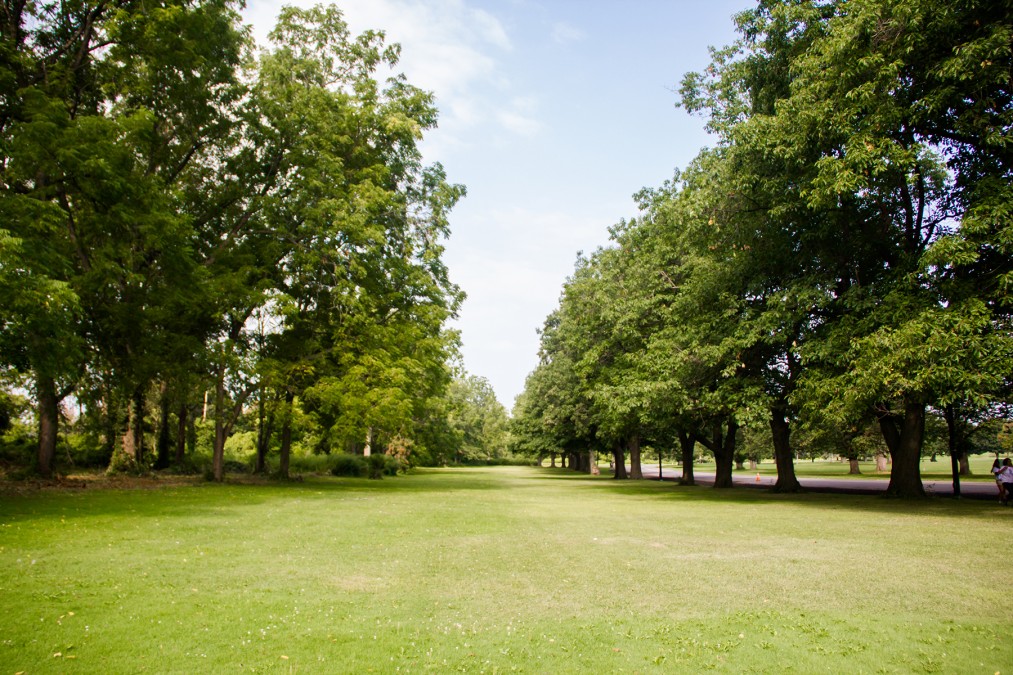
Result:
pixel 843 256
pixel 194 224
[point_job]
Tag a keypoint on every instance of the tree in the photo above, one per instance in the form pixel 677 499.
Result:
pixel 104 107
pixel 479 419
pixel 826 118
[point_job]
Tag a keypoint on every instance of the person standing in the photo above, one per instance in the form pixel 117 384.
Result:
pixel 996 468
pixel 1005 476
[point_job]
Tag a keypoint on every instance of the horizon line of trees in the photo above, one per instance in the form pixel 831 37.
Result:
pixel 843 256
pixel 193 225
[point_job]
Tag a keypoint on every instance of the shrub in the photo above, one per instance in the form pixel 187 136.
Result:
pixel 307 463
pixel 394 465
pixel 350 466
pixel 377 465
pixel 235 466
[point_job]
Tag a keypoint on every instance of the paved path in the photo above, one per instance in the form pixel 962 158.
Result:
pixel 968 489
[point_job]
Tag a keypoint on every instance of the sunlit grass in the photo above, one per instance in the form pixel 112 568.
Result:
pixel 499 569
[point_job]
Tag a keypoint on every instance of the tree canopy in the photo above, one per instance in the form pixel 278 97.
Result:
pixel 842 253
pixel 190 216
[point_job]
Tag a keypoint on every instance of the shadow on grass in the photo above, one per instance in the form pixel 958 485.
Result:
pixel 213 499
pixel 759 497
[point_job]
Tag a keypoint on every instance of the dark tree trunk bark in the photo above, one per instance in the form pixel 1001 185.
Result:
pixel 687 445
pixel 181 433
pixel 191 431
pixel 552 460
pixel 218 454
pixel 164 437
pixel 903 435
pixel 619 461
pixel 853 467
pixel 636 470
pixel 49 423
pixel 722 444
pixel 953 442
pixel 133 436
pixel 264 432
pixel 724 454
pixel 286 437
pixel 784 459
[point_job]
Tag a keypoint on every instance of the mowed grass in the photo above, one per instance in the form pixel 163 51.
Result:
pixel 500 570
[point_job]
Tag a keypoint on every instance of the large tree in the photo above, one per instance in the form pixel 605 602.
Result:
pixel 104 107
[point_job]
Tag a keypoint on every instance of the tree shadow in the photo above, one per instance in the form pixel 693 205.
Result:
pixel 936 506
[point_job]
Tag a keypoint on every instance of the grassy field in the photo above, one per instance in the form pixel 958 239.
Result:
pixel 500 570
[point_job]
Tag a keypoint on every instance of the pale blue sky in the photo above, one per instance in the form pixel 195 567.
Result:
pixel 552 113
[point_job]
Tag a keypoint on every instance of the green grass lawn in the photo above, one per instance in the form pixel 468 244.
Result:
pixel 500 570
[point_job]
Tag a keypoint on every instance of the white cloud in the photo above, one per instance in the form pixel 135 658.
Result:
pixel 564 34
pixel 448 48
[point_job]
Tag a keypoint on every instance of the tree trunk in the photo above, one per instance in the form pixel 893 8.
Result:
pixel 164 437
pixel 286 437
pixel 49 422
pixel 636 470
pixel 953 443
pixel 882 463
pixel 784 459
pixel 264 433
pixel 218 453
pixel 853 467
pixel 181 433
pixel 722 444
pixel 619 461
pixel 903 435
pixel 133 435
pixel 687 445
pixel 552 460
pixel 191 431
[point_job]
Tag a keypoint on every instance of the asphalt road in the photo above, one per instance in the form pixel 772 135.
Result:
pixel 968 489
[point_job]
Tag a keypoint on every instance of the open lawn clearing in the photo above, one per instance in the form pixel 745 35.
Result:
pixel 499 569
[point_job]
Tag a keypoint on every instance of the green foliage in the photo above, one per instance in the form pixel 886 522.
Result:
pixel 184 220
pixel 350 466
pixel 376 466
pixel 843 252
pixel 478 423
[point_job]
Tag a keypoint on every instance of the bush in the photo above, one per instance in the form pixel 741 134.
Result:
pixel 377 465
pixel 349 466
pixel 235 466
pixel 394 465
pixel 318 464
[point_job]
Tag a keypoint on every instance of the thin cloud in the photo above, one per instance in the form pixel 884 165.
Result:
pixel 564 33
